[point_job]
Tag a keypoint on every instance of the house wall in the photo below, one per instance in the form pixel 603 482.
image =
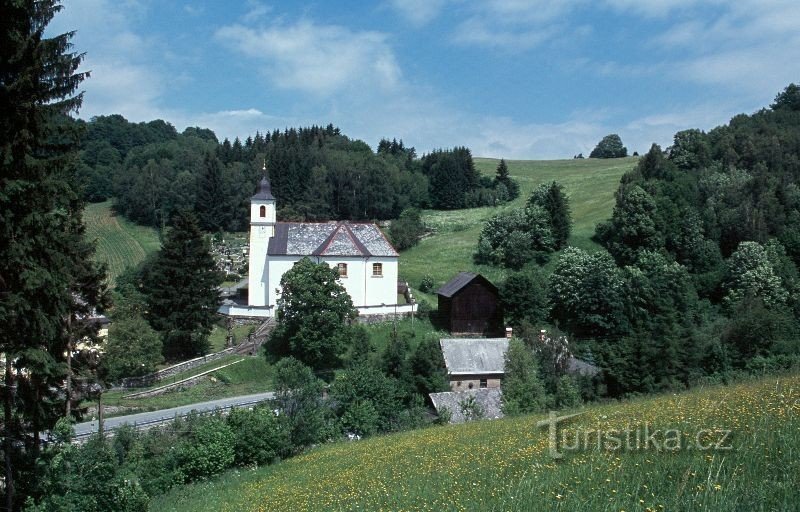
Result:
pixel 463 382
pixel 363 288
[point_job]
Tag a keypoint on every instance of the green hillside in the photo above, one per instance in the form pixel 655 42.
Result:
pixel 590 184
pixel 120 243
pixel 506 465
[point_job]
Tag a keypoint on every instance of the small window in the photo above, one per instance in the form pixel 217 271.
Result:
pixel 377 269
pixel 263 211
pixel 484 383
pixel 342 269
pixel 471 385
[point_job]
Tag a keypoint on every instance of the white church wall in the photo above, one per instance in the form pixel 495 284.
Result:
pixel 363 288
pixel 278 265
pixel 382 290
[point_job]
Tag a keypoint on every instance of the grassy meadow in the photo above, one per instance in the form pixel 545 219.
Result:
pixel 505 464
pixel 120 242
pixel 589 183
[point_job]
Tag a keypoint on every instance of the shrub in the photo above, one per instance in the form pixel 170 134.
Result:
pixel 260 437
pixel 209 449
pixel 426 284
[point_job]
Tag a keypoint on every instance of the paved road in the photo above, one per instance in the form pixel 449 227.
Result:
pixel 148 419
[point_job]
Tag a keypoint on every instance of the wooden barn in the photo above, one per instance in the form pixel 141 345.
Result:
pixel 470 304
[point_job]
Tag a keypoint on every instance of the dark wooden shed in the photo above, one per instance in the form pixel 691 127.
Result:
pixel 470 304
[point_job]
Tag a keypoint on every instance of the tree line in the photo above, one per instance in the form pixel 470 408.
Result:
pixel 697 278
pixel 317 173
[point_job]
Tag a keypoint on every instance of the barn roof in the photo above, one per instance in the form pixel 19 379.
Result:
pixel 467 356
pixel 329 239
pixel 488 400
pixel 461 280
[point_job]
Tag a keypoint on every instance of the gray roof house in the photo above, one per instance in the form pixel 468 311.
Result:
pixel 487 404
pixel 472 356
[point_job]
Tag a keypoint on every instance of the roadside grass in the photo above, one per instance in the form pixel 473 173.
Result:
pixel 120 243
pixel 505 464
pixel 589 183
pixel 252 375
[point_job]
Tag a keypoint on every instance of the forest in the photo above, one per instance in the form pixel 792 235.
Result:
pixel 317 173
pixel 697 277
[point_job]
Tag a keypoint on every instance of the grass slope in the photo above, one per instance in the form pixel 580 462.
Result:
pixel 505 464
pixel 252 375
pixel 120 243
pixel 590 185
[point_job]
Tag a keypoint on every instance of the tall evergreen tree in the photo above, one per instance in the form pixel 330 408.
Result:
pixel 181 288
pixel 502 176
pixel 554 200
pixel 213 198
pixel 48 281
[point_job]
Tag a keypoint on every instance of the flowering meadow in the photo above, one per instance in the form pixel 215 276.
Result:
pixel 717 448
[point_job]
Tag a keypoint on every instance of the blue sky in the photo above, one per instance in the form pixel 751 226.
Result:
pixel 507 78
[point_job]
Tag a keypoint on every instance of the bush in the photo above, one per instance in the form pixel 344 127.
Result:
pixel 260 437
pixel 567 393
pixel 424 309
pixel 406 231
pixel 209 449
pixel 426 284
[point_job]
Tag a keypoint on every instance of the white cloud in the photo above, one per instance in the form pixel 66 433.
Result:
pixel 515 25
pixel 418 12
pixel 660 8
pixel 320 59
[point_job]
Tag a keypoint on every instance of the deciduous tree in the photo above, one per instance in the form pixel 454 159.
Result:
pixel 313 315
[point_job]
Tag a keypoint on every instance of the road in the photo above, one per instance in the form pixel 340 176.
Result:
pixel 148 419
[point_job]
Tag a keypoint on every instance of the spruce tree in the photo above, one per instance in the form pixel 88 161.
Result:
pixel 554 200
pixel 502 176
pixel 181 288
pixel 48 281
pixel 213 199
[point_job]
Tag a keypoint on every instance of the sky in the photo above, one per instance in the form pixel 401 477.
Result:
pixel 509 79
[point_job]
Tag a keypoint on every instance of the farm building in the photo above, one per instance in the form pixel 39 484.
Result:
pixel 474 363
pixel 470 404
pixel 470 304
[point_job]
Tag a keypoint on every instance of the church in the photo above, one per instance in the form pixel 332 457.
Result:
pixel 366 261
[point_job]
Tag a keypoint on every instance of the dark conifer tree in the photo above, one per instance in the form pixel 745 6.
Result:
pixel 213 197
pixel 48 281
pixel 502 176
pixel 181 289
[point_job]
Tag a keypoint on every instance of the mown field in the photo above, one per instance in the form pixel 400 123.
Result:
pixel 506 464
pixel 120 243
pixel 590 185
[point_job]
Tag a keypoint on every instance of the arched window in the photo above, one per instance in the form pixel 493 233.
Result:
pixel 263 211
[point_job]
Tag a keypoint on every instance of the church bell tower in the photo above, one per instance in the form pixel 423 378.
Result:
pixel 262 229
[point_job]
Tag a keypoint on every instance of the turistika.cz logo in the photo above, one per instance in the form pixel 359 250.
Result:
pixel 636 438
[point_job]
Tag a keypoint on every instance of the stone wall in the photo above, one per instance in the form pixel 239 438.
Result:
pixel 148 380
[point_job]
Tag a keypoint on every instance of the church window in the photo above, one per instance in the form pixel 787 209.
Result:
pixel 342 269
pixel 263 211
pixel 377 269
